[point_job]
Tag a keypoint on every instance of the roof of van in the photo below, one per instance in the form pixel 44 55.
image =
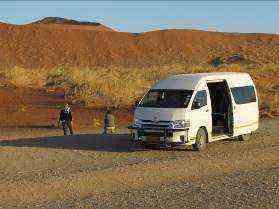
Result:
pixel 190 81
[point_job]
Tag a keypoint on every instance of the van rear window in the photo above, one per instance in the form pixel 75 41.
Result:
pixel 243 94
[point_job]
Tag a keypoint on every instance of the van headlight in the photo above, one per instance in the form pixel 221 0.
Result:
pixel 137 122
pixel 180 124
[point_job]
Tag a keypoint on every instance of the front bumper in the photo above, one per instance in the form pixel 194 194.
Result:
pixel 159 137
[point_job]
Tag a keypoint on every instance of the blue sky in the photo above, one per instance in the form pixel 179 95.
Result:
pixel 140 16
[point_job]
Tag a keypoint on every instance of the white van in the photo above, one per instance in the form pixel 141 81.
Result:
pixel 195 109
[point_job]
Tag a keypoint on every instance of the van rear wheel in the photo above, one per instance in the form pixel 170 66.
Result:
pixel 244 137
pixel 201 140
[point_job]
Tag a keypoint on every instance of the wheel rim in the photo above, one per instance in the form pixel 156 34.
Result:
pixel 201 139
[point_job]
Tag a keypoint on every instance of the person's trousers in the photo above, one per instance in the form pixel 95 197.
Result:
pixel 67 127
pixel 109 130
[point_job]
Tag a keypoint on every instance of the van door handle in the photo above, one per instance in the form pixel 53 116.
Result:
pixel 207 110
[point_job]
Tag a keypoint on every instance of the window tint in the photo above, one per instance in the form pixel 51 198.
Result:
pixel 244 94
pixel 200 98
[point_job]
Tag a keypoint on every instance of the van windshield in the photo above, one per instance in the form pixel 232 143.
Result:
pixel 167 98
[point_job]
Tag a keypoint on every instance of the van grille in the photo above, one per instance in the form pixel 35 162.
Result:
pixel 148 124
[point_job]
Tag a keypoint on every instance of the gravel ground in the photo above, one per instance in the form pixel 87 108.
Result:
pixel 228 174
pixel 254 189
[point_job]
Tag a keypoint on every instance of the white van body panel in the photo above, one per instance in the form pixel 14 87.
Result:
pixel 245 116
pixel 202 116
pixel 160 114
pixel 191 81
pixel 187 81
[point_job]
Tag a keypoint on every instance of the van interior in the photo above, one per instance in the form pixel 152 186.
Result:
pixel 220 105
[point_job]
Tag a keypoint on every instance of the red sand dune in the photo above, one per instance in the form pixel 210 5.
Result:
pixel 48 43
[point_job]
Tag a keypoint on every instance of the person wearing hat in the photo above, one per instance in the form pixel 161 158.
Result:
pixel 65 119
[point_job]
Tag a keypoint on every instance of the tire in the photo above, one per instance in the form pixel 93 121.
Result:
pixel 201 140
pixel 244 137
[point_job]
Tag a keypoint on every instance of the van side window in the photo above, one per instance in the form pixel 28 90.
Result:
pixel 243 94
pixel 200 99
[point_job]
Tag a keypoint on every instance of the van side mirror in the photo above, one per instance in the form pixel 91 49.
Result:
pixel 196 105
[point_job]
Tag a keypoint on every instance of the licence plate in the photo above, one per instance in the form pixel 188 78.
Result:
pixel 153 138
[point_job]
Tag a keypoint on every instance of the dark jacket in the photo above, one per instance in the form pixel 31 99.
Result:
pixel 65 116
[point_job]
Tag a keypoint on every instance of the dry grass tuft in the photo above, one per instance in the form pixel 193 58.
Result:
pixel 120 87
pixel 20 77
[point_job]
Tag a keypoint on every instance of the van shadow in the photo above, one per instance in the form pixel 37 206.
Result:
pixel 95 142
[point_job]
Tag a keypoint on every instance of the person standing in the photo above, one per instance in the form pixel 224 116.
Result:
pixel 65 119
pixel 109 122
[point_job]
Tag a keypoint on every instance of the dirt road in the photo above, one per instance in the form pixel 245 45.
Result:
pixel 95 171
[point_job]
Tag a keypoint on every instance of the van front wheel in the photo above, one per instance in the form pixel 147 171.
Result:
pixel 201 140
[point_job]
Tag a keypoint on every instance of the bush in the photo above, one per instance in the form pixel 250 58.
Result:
pixel 24 78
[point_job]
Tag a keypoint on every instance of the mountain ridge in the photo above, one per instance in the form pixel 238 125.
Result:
pixel 46 44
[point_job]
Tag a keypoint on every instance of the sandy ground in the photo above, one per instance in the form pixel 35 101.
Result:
pixel 97 171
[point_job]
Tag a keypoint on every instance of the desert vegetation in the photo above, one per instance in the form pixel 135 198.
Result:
pixel 120 87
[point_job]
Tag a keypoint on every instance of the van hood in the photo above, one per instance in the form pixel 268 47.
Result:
pixel 160 114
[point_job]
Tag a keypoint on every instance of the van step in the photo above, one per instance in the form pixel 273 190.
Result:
pixel 220 137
